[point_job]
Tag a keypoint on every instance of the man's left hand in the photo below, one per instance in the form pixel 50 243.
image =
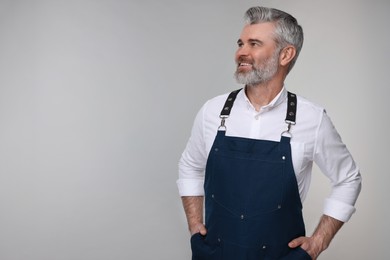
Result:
pixel 312 246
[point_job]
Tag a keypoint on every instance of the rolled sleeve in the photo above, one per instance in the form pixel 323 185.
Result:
pixel 190 187
pixel 338 210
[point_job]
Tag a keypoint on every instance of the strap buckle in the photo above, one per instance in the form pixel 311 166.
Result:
pixel 287 132
pixel 223 118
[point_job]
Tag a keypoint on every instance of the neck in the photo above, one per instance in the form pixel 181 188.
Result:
pixel 262 94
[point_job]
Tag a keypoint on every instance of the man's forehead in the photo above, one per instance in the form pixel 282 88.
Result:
pixel 261 31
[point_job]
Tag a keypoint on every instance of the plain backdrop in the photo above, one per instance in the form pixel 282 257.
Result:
pixel 97 100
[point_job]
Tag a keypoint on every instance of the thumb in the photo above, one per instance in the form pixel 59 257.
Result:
pixel 199 228
pixel 202 229
pixel 296 242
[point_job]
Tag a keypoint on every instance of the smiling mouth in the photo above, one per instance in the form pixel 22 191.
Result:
pixel 245 64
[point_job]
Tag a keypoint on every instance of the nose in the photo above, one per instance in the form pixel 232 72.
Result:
pixel 242 51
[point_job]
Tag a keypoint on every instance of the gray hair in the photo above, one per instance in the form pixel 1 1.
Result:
pixel 287 31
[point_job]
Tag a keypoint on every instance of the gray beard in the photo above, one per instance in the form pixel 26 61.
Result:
pixel 258 75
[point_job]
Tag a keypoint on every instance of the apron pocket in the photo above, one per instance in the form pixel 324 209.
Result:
pixel 248 185
pixel 201 250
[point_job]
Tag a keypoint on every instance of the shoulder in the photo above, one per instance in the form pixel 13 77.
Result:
pixel 218 100
pixel 213 106
pixel 309 115
pixel 209 114
pixel 308 106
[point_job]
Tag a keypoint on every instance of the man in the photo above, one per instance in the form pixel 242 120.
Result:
pixel 251 152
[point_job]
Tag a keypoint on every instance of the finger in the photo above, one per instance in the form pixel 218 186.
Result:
pixel 296 242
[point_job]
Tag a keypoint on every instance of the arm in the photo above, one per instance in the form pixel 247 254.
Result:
pixel 193 207
pixel 335 161
pixel 321 238
pixel 192 166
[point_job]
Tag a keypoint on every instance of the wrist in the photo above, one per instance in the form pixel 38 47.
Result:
pixel 321 240
pixel 325 231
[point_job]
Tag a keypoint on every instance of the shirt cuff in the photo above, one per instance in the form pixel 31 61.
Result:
pixel 338 210
pixel 190 187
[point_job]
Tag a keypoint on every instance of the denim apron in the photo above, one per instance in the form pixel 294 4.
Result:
pixel 252 203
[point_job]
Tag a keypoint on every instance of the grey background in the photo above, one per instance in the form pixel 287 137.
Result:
pixel 97 100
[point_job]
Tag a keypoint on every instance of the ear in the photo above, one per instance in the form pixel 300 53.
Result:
pixel 286 55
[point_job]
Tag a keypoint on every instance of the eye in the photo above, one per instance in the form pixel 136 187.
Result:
pixel 255 43
pixel 240 43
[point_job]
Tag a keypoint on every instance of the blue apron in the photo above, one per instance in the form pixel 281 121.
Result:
pixel 252 203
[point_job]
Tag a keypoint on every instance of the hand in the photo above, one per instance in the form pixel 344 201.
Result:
pixel 198 228
pixel 321 238
pixel 312 246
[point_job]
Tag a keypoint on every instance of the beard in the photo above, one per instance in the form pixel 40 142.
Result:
pixel 260 73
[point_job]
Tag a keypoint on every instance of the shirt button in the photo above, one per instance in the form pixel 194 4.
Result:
pixel 257 117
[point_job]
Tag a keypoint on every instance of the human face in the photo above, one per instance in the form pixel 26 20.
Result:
pixel 257 57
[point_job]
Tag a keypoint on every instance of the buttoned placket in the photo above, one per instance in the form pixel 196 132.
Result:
pixel 257 120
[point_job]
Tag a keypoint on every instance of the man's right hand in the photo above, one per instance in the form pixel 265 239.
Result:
pixel 198 228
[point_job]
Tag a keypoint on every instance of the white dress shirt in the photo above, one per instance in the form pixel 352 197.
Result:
pixel 314 138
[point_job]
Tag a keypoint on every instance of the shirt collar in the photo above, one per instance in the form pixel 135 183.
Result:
pixel 279 99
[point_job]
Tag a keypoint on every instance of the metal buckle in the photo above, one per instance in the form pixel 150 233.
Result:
pixel 223 118
pixel 287 132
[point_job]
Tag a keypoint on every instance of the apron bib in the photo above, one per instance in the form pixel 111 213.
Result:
pixel 252 203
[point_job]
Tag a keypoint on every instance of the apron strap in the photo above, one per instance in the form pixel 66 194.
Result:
pixel 291 108
pixel 291 112
pixel 229 103
pixel 227 108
